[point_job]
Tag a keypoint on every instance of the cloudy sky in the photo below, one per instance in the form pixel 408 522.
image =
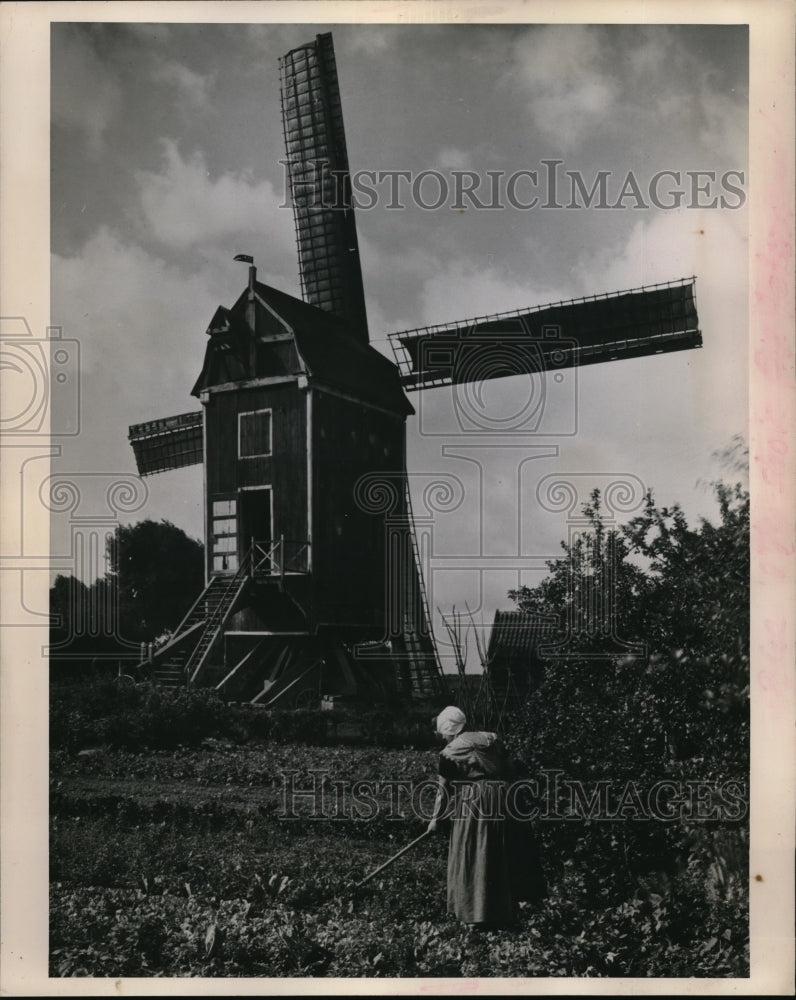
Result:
pixel 165 153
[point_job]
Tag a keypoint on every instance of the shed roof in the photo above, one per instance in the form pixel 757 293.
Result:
pixel 515 636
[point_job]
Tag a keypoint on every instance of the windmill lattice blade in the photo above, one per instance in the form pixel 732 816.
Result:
pixel 169 443
pixel 320 185
pixel 631 324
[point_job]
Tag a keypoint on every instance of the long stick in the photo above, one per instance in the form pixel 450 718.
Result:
pixel 395 857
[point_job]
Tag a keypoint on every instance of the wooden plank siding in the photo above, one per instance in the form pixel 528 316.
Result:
pixel 284 470
pixel 349 440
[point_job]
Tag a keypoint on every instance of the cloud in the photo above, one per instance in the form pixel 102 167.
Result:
pixel 86 97
pixel 708 119
pixel 451 158
pixel 569 84
pixel 140 324
pixel 476 291
pixel 698 398
pixel 135 316
pixel 684 88
pixel 667 245
pixel 368 40
pixel 184 207
pixel 191 86
pixel 638 84
pixel 152 33
pixel 391 279
pixel 658 418
pixel 653 55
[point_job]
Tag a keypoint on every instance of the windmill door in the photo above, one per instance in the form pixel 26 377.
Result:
pixel 255 519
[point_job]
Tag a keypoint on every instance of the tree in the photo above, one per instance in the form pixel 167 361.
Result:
pixel 678 710
pixel 68 596
pixel 159 573
pixel 686 605
pixel 593 591
pixel 84 629
pixel 698 585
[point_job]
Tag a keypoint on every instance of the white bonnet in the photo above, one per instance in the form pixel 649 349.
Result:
pixel 451 721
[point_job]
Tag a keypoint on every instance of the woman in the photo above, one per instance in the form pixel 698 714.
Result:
pixel 473 772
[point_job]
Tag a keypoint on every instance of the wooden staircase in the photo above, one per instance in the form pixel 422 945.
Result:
pixel 182 658
pixel 181 661
pixel 169 674
pixel 218 611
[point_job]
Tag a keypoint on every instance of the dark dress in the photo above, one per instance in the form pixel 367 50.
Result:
pixel 492 861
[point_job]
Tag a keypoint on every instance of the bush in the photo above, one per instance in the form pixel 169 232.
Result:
pixel 676 710
pixel 118 713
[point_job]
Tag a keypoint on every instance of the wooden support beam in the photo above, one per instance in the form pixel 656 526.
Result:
pixel 239 665
pixel 177 640
pixel 292 683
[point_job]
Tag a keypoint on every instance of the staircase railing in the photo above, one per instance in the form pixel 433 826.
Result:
pixel 217 616
pixel 263 559
pixel 182 629
pixel 269 559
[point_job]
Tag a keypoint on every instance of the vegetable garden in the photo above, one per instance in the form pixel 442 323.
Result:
pixel 175 862
pixel 171 853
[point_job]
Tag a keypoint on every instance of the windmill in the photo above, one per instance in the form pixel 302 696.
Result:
pixel 310 591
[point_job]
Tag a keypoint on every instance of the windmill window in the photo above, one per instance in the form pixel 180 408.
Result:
pixel 223 536
pixel 224 526
pixel 225 543
pixel 254 434
pixel 225 563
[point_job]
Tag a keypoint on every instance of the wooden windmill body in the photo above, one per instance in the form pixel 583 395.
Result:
pixel 311 589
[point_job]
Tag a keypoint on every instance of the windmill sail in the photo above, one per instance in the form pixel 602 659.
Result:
pixel 317 163
pixel 169 443
pixel 632 324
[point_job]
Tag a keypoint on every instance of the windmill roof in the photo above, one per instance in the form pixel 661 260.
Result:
pixel 334 356
pixel 327 352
